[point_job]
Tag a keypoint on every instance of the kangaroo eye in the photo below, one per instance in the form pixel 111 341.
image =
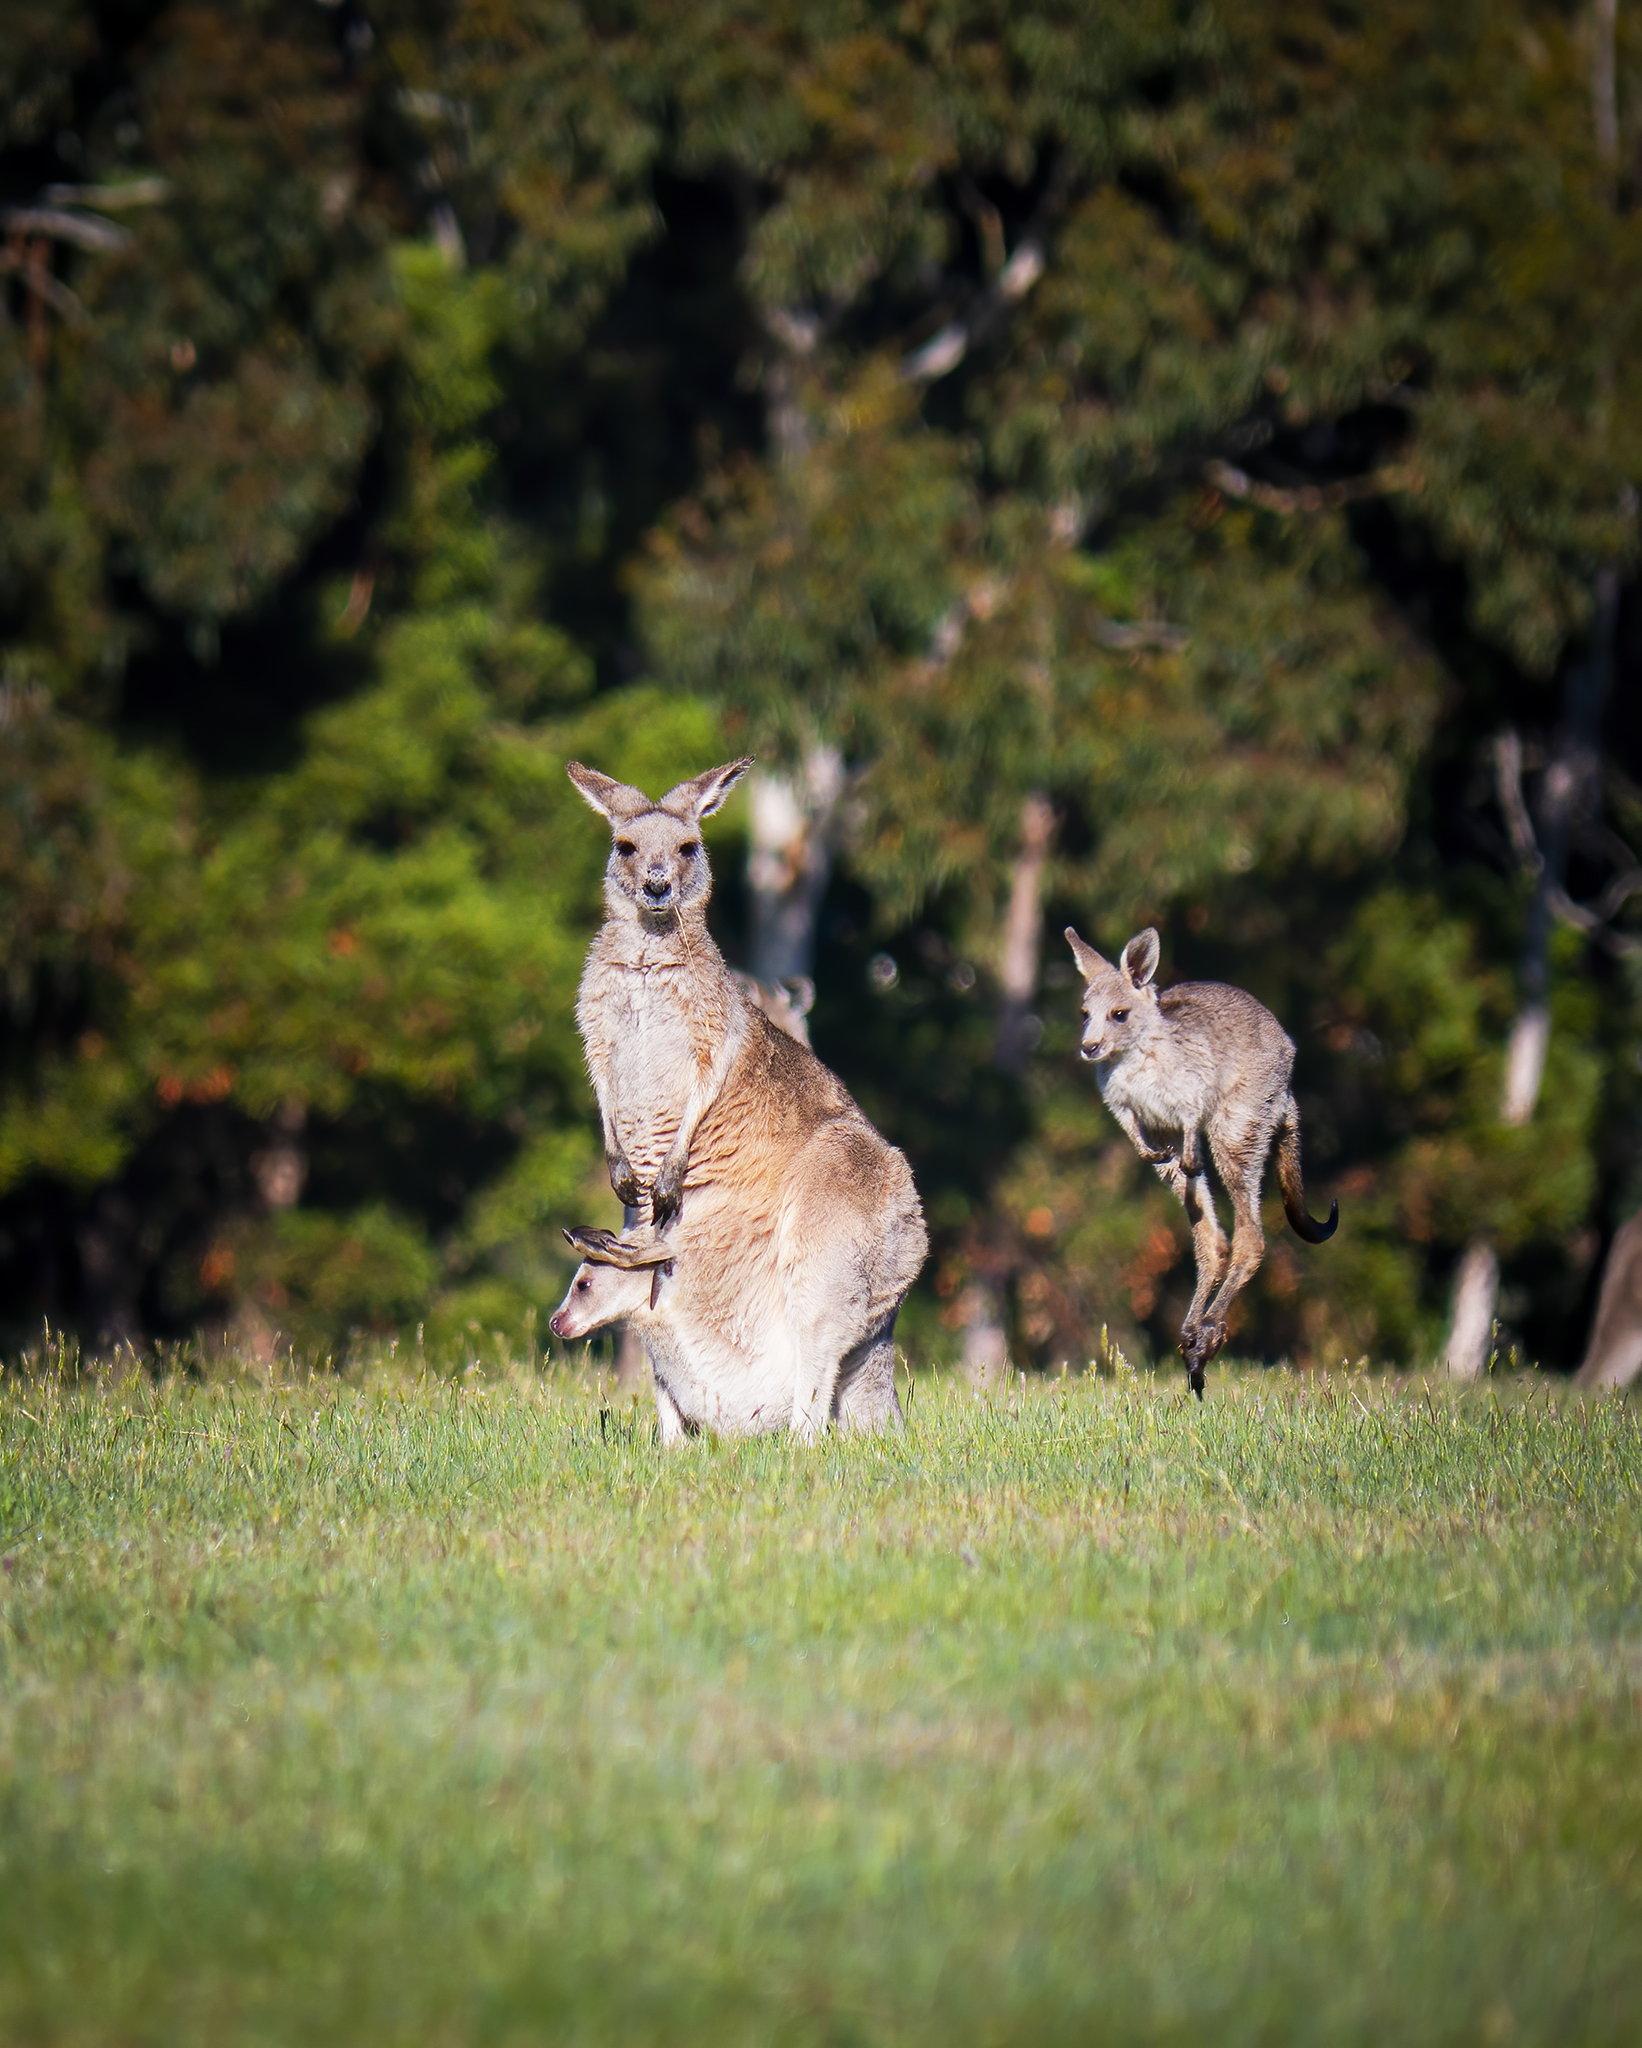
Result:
pixel 1118 1016
pixel 583 1285
pixel 625 848
pixel 690 848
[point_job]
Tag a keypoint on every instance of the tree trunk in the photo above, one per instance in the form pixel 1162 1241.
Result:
pixel 789 861
pixel 1573 770
pixel 1470 1335
pixel 984 1302
pixel 1614 1357
pixel 1018 1029
pixel 632 1360
pixel 1571 779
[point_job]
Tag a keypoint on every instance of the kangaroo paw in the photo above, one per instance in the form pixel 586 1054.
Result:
pixel 665 1199
pixel 1197 1351
pixel 623 1182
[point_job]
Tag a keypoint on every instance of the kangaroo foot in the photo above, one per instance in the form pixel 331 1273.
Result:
pixel 1191 1350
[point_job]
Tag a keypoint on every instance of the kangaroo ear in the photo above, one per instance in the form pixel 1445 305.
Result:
pixel 703 794
pixel 594 1245
pixel 627 1254
pixel 611 799
pixel 1090 963
pixel 1140 957
pixel 657 1274
pixel 800 994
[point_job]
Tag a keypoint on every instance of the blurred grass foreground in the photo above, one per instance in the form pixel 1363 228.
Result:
pixel 414 1711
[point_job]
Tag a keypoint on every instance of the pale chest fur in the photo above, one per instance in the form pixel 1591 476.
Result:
pixel 644 1043
pixel 1158 1085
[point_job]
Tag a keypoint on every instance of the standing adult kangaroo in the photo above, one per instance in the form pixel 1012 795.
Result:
pixel 1200 1061
pixel 661 1016
pixel 707 1103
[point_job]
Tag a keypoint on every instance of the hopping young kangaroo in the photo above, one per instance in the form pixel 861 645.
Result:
pixel 802 1223
pixel 1199 1061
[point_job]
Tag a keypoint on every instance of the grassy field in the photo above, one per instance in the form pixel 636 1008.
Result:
pixel 416 1712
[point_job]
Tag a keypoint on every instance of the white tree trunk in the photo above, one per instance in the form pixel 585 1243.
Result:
pixel 789 861
pixel 1614 1358
pixel 985 1301
pixel 1525 1063
pixel 986 1344
pixel 1023 938
pixel 1571 772
pixel 1471 1333
pixel 632 1360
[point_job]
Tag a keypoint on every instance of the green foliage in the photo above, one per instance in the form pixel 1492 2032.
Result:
pixel 528 380
pixel 342 1714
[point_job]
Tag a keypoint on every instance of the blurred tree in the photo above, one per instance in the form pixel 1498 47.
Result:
pixel 1261 380
pixel 295 916
pixel 1111 467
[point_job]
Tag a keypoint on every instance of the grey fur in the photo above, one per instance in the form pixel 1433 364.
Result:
pixel 1198 1063
pixel 787 1003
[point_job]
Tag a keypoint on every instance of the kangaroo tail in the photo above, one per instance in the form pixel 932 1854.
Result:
pixel 1294 1193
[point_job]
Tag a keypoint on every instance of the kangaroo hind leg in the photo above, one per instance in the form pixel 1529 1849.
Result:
pixel 828 1306
pixel 866 1397
pixel 1241 1160
pixel 1211 1252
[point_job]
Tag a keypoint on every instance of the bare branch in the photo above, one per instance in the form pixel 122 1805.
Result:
pixel 111 198
pixel 1619 892
pixel 1595 920
pixel 1122 638
pixel 944 351
pixel 36 278
pixel 1232 482
pixel 988 224
pixel 84 230
pixel 1625 945
pixel 1513 805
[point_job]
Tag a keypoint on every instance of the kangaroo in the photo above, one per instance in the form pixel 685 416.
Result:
pixel 1199 1061
pixel 661 1017
pixel 786 1003
pixel 721 1335
pixel 800 1206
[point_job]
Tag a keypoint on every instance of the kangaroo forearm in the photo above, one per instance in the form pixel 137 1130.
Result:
pixel 705 1091
pixel 1150 1153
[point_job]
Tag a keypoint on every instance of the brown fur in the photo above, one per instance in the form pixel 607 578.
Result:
pixel 1199 1062
pixel 795 1215
pixel 786 1003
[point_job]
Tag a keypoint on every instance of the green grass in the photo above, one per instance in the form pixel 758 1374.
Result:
pixel 425 1713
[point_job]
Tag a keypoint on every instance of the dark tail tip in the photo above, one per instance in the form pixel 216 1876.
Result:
pixel 1308 1228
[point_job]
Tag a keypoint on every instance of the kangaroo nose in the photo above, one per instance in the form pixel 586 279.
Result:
pixel 553 1325
pixel 657 885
